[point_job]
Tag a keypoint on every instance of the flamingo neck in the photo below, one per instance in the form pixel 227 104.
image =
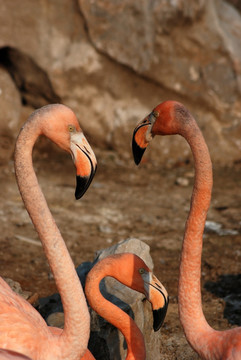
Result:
pixel 112 313
pixel 74 339
pixel 189 293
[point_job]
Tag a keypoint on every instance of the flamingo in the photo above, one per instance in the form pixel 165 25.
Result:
pixel 170 118
pixel 12 355
pixel 131 271
pixel 22 329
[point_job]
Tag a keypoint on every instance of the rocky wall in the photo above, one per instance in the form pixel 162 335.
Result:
pixel 113 61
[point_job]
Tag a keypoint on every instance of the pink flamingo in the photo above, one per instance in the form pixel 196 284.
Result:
pixel 12 355
pixel 131 271
pixel 170 118
pixel 22 329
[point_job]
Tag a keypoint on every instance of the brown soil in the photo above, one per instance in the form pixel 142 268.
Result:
pixel 124 201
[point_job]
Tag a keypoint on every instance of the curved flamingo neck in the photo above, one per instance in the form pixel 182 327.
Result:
pixel 74 339
pixel 113 314
pixel 189 293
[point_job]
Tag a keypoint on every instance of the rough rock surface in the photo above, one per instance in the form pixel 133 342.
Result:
pixel 106 342
pixel 16 287
pixel 10 109
pixel 112 62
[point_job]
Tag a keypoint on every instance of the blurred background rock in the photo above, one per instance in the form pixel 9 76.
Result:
pixel 112 61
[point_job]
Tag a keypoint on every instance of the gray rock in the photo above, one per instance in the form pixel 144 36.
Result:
pixel 214 227
pixel 182 181
pixel 182 50
pixel 131 245
pixel 56 320
pixel 190 48
pixel 160 32
pixel 16 287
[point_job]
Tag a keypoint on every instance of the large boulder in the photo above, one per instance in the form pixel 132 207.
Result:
pixel 112 62
pixel 191 49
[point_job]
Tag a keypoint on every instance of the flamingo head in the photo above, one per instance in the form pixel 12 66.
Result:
pixel 135 274
pixel 155 293
pixel 64 130
pixel 130 270
pixel 167 118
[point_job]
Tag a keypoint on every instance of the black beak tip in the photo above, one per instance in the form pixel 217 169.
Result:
pixel 159 317
pixel 137 151
pixel 82 184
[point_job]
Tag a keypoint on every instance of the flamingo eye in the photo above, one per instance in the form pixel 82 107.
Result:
pixel 142 271
pixel 155 113
pixel 71 128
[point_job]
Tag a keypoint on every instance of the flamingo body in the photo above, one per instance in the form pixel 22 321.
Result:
pixel 12 355
pixel 170 118
pixel 16 312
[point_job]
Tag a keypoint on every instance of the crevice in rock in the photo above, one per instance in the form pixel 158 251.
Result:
pixel 32 81
pixel 236 4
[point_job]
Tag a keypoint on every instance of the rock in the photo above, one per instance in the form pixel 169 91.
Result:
pixel 106 342
pixel 131 245
pixel 16 287
pixel 190 48
pixel 182 181
pixel 182 50
pixel 214 227
pixel 162 41
pixel 236 3
pixel 56 320
pixel 32 81
pixel 10 105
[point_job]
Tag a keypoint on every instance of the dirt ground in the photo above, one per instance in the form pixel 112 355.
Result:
pixel 149 202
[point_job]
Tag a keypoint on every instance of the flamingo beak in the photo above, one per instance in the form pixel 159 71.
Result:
pixel 85 163
pixel 159 316
pixel 141 137
pixel 158 297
